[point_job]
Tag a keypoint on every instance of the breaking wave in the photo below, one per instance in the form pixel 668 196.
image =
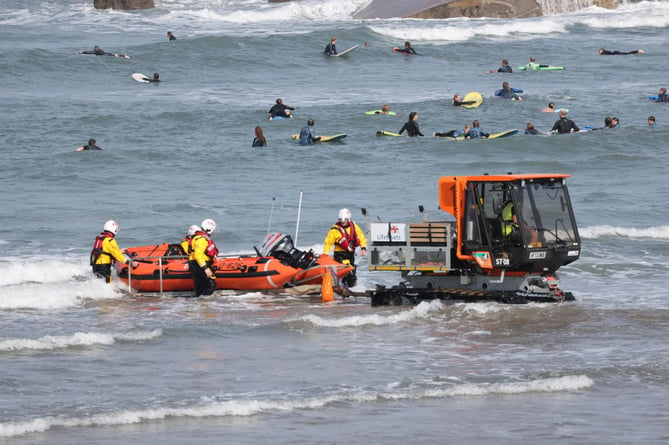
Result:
pixel 246 408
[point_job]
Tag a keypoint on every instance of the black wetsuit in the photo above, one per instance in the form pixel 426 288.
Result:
pixel 330 49
pixel 97 52
pixel 617 53
pixel 91 147
pixel 280 110
pixel 257 142
pixel 411 128
pixel 564 125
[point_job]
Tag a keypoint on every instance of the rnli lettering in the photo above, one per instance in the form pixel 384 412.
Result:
pixel 230 265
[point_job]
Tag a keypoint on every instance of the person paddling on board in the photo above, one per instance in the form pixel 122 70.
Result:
pixel 564 125
pixel 91 146
pixel 279 109
pixel 330 48
pixel 457 100
pixel 662 95
pixel 385 109
pixel 105 249
pixel 307 136
pixel 345 236
pixel 550 108
pixel 411 126
pixel 507 92
pixel 156 78
pixel 99 52
pixel 407 49
pixel 533 65
pixel 454 133
pixel 505 68
pixel 605 52
pixel 529 129
pixel 475 132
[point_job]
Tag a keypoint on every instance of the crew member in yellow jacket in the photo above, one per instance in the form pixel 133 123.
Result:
pixel 345 236
pixel 105 249
pixel 201 254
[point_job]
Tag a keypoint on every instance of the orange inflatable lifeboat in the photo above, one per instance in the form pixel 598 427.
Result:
pixel 164 268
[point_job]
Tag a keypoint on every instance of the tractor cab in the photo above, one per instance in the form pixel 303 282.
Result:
pixel 517 222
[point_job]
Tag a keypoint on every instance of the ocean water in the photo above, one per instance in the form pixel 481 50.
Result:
pixel 83 362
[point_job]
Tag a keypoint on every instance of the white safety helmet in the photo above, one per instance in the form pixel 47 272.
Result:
pixel 209 226
pixel 344 214
pixel 111 226
pixel 192 229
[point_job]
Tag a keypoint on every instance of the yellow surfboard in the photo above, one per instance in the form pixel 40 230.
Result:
pixel 473 99
pixel 334 138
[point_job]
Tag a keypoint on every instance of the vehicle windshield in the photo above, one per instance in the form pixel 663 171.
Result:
pixel 544 206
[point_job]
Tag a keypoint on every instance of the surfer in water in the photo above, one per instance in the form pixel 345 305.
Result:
pixel 564 125
pixel 170 35
pixel 99 52
pixel 505 68
pixel 407 49
pixel 605 52
pixel 91 146
pixel 507 92
pixel 156 78
pixel 411 126
pixel 259 140
pixel 330 48
pixel 279 109
pixel 307 136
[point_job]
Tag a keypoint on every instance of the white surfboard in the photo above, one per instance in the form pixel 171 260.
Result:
pixel 139 77
pixel 346 52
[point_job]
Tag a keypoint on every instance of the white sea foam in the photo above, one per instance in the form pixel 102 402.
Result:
pixel 247 408
pixel 78 339
pixel 421 311
pixel 659 232
pixel 206 16
pixel 14 271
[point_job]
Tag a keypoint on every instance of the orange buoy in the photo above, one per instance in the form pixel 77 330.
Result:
pixel 327 292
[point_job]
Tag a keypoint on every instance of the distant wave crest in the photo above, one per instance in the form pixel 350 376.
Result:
pixel 78 339
pixel 593 232
pixel 245 408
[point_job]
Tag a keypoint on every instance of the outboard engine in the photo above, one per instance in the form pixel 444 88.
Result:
pixel 281 247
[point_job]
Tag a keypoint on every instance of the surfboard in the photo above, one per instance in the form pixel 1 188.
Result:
pixel 473 99
pixel 333 138
pixel 543 68
pixel 346 52
pixel 277 118
pixel 373 112
pixel 139 77
pixel 502 134
pixel 386 133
